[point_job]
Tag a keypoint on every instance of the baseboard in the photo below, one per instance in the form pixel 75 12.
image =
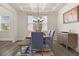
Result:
pixel 77 49
pixel 7 39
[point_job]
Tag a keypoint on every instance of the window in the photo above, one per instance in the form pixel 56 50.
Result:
pixel 4 23
pixel 35 18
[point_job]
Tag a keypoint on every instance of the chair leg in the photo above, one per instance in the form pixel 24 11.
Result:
pixel 20 49
pixel 42 52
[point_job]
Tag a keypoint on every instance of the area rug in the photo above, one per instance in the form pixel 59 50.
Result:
pixel 26 52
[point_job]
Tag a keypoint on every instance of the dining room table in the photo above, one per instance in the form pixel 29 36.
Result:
pixel 45 36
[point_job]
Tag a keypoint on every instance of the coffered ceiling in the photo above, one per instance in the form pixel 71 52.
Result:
pixel 38 7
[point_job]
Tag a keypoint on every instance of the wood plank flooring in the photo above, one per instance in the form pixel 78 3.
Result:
pixel 47 53
pixel 7 48
pixel 10 49
pixel 60 50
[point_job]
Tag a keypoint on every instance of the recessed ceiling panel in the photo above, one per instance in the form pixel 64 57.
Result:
pixel 39 7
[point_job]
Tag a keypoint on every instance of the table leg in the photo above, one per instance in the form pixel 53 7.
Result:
pixel 21 49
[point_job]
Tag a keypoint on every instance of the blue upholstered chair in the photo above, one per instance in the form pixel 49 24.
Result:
pixel 51 37
pixel 37 41
pixel 49 41
pixel 46 40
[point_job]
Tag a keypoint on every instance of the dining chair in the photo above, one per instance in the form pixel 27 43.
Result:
pixel 45 40
pixel 52 36
pixel 49 40
pixel 37 41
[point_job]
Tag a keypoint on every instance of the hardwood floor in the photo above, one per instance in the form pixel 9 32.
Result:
pixel 60 50
pixel 10 49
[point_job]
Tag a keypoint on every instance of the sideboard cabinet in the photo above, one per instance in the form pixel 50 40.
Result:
pixel 68 39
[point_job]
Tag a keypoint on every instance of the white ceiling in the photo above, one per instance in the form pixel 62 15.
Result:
pixel 38 7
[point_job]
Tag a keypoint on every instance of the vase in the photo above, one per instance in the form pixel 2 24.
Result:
pixel 37 26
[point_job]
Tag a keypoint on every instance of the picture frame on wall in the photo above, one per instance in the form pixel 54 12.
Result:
pixel 71 16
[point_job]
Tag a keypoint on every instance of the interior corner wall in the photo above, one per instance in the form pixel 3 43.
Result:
pixel 22 25
pixel 6 10
pixel 70 26
pixel 52 20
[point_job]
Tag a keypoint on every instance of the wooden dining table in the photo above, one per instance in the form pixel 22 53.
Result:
pixel 30 37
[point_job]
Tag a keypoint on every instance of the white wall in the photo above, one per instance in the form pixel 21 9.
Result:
pixel 5 9
pixel 52 20
pixel 23 26
pixel 74 27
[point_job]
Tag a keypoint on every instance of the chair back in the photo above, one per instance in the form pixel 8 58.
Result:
pixel 49 33
pixel 51 37
pixel 37 41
